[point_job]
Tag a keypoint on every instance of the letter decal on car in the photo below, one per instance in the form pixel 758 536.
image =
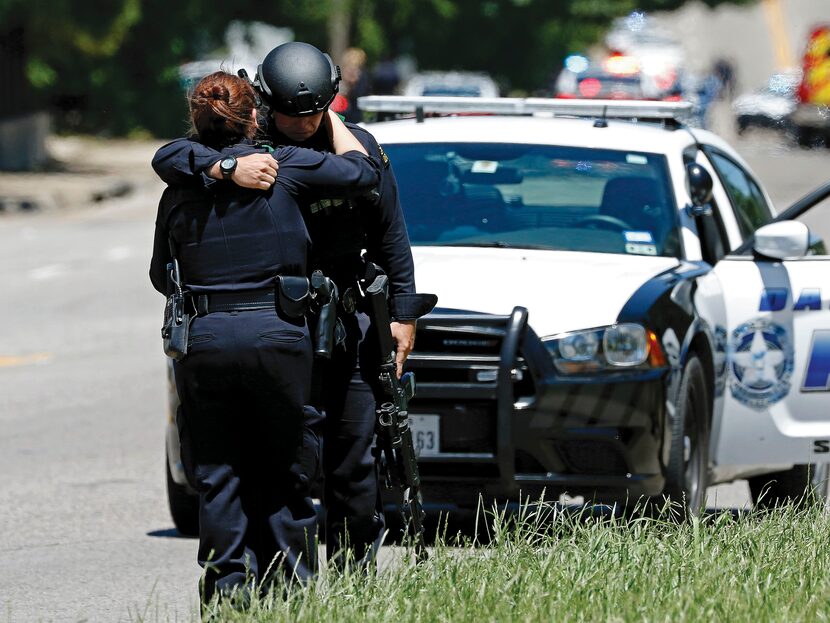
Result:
pixel 773 299
pixel 817 376
pixel 810 298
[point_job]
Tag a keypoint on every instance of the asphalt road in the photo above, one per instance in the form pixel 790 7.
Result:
pixel 85 531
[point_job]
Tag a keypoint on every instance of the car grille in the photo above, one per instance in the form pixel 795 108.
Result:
pixel 456 365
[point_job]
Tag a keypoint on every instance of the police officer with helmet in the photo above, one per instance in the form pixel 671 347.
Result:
pixel 297 82
pixel 233 263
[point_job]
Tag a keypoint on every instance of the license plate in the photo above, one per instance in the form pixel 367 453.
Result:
pixel 426 434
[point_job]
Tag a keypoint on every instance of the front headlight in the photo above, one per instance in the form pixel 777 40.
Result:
pixel 579 346
pixel 625 345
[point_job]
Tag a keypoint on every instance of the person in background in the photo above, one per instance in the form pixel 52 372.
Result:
pixel 386 77
pixel 355 83
pixel 725 71
pixel 246 376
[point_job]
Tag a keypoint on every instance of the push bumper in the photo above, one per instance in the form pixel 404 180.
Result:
pixel 511 425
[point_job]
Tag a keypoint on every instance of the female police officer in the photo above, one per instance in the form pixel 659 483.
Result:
pixel 246 375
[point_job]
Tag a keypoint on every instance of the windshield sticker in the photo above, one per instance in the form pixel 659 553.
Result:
pixel 640 249
pixel 485 166
pixel 636 159
pixel 638 236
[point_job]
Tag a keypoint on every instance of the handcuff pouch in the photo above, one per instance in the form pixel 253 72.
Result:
pixel 292 295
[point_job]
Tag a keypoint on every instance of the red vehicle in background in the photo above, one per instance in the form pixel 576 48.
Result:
pixel 811 118
pixel 616 78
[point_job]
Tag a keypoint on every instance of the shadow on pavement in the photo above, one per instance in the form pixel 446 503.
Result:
pixel 169 533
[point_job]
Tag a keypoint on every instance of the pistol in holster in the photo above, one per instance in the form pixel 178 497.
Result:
pixel 317 298
pixel 325 296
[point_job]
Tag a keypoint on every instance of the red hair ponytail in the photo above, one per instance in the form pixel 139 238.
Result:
pixel 221 108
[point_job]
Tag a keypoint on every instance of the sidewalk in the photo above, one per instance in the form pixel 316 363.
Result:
pixel 84 171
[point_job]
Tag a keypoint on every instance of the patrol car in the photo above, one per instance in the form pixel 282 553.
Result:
pixel 621 312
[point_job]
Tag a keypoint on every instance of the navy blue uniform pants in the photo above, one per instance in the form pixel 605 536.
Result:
pixel 242 387
pixel 346 388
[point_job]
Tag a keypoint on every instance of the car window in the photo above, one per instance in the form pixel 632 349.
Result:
pixel 443 90
pixel 751 208
pixel 714 241
pixel 817 219
pixel 536 196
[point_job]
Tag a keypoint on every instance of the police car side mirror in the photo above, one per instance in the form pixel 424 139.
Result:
pixel 782 240
pixel 699 184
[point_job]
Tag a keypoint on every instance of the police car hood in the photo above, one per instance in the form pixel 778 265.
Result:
pixel 562 290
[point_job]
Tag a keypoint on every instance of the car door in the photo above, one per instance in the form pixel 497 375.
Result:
pixel 777 397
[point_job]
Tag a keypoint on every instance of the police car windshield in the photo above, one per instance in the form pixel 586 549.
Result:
pixel 536 196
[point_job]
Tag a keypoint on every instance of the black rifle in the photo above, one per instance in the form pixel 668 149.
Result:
pixel 394 437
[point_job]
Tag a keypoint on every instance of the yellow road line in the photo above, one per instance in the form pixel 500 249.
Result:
pixel 10 361
pixel 777 24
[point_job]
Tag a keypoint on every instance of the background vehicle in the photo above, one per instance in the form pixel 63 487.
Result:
pixel 768 107
pixel 604 327
pixel 597 83
pixel 660 57
pixel 451 83
pixel 811 117
pixel 641 62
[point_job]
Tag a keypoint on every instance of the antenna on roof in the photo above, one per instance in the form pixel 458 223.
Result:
pixel 602 122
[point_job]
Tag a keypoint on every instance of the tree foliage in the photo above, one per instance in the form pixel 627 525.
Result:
pixel 111 66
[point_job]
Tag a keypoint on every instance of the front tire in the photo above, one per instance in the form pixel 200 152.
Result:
pixel 184 505
pixel 688 468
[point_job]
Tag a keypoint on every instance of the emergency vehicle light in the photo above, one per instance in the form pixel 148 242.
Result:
pixel 608 109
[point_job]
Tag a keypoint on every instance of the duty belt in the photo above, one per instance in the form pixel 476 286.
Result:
pixel 245 300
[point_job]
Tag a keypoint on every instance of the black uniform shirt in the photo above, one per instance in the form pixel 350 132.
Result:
pixel 381 228
pixel 232 238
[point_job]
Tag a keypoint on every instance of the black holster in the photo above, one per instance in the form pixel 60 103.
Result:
pixel 175 328
pixel 316 297
pixel 324 296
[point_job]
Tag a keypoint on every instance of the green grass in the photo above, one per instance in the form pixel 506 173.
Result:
pixel 553 565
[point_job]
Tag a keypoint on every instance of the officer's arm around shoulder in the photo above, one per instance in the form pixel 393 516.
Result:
pixel 346 175
pixel 366 139
pixel 183 162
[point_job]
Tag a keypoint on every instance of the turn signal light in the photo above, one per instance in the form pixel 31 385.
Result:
pixel 656 358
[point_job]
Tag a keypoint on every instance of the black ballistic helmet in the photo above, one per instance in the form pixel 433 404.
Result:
pixel 297 79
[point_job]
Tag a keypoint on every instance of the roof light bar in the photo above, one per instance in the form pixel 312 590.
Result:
pixel 622 109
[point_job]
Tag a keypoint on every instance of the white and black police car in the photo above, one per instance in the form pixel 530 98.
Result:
pixel 621 311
